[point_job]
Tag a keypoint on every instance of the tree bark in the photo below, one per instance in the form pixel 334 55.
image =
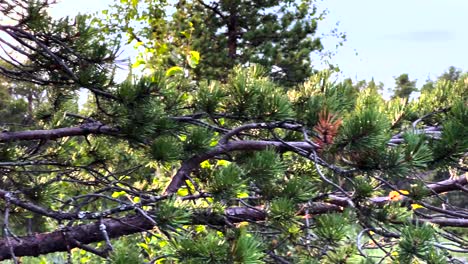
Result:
pixel 232 33
pixel 83 130
pixel 62 240
pixel 189 165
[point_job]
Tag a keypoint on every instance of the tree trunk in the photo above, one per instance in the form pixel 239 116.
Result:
pixel 232 32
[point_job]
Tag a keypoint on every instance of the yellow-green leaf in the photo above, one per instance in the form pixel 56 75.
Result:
pixel 200 228
pixel 242 195
pixel 138 44
pixel 185 33
pixel 222 163
pixel 174 70
pixel 193 58
pixel 182 192
pixel 205 164
pixel 118 194
pixel 138 63
pixel 144 246
pixel 162 49
pixel 294 229
pixel 195 55
pixel 416 206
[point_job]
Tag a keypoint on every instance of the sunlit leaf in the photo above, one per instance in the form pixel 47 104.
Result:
pixel 193 58
pixel 118 194
pixel 174 70
pixel 138 63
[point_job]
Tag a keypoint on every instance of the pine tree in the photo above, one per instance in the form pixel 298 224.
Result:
pixel 13 108
pixel 452 74
pixel 404 86
pixel 163 169
pixel 279 35
pixel 429 85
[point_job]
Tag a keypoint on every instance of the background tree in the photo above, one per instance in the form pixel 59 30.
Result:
pixel 404 86
pixel 363 84
pixel 12 110
pixel 163 169
pixel 15 94
pixel 279 35
pixel 452 74
pixel 429 85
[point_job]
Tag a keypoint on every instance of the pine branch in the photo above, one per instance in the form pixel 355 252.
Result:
pixel 83 130
pixel 246 145
pixel 214 9
pixel 88 233
pixel 226 146
pixel 56 241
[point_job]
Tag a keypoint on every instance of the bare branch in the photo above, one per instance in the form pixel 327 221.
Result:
pixel 246 145
pixel 83 130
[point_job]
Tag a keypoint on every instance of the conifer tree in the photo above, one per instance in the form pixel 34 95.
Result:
pixel 163 169
pixel 404 87
pixel 279 35
pixel 452 74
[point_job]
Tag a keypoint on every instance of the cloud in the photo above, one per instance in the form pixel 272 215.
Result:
pixel 424 36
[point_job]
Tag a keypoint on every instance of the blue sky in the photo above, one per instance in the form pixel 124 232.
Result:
pixel 419 37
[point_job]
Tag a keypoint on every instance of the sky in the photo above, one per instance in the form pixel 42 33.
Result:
pixel 419 37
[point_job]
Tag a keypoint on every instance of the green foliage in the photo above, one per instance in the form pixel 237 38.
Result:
pixel 13 111
pixel 199 38
pixel 166 149
pixel 226 146
pixel 214 247
pixel 417 242
pixel 332 228
pixel 264 169
pixel 393 212
pixel 247 249
pixel 207 248
pixel 126 253
pixel 363 135
pixel 198 140
pixel 298 189
pixel 226 182
pixel 270 180
pixel 6 152
pixel 453 143
pixel 395 110
pixel 319 93
pixel 416 153
pixel 281 210
pixel 404 87
pixel 286 56
pixel 444 94
pixel 343 254
pixel 412 155
pixel 209 97
pixel 364 187
pixel 452 74
pixel 138 109
pixel 169 213
pixel 253 95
